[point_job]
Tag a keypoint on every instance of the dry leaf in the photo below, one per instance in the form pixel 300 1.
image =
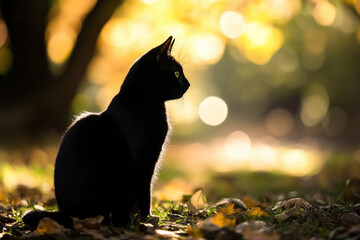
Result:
pixel 254 225
pixel 87 223
pixel 197 201
pixel 238 204
pixel 49 226
pixel 228 210
pixel 256 212
pixel 249 202
pixel 221 220
pixel 293 202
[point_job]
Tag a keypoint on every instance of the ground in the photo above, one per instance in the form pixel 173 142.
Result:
pixel 272 214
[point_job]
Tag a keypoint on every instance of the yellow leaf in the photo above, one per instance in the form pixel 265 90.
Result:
pixel 229 209
pixel 257 212
pixel 249 202
pixel 221 220
pixel 49 226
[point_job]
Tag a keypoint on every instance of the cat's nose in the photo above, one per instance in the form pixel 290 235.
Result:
pixel 184 82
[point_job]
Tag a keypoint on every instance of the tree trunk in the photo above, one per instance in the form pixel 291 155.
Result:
pixel 32 99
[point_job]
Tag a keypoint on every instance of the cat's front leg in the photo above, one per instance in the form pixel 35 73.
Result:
pixel 144 197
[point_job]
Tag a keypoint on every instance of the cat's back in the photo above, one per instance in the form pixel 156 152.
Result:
pixel 92 136
pixel 84 125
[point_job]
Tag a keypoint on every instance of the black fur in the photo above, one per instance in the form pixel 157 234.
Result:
pixel 106 161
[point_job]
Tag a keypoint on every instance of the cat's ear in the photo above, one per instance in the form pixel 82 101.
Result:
pixel 165 50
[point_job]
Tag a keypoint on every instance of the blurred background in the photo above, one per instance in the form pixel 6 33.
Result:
pixel 274 103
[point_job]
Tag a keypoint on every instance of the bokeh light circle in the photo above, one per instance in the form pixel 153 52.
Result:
pixel 213 111
pixel 232 24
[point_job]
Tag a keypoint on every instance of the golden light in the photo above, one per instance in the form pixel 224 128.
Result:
pixel 148 1
pixel 281 10
pixel 232 24
pixel 3 32
pixel 208 49
pixel 18 174
pixel 113 33
pixel 237 145
pixel 357 5
pixel 76 8
pixel 358 34
pixel 258 33
pixel 60 45
pixel 104 96
pixel 296 162
pixel 260 52
pixel 264 158
pixel 324 13
pixel 279 122
pixel 173 190
pixel 100 71
pixel 183 111
pixel 112 41
pixel 213 111
pixel 314 109
pixel 299 162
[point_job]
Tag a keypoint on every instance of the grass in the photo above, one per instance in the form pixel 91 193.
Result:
pixel 259 190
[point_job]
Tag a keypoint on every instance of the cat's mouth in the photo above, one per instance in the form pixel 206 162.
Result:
pixel 178 93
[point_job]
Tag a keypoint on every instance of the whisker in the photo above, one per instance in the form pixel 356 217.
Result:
pixel 179 54
pixel 188 67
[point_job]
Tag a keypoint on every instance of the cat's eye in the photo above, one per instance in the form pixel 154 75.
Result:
pixel 177 74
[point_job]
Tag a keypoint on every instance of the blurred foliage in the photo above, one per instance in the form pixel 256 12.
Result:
pixel 299 58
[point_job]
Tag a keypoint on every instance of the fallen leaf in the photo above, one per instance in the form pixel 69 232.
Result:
pixel 293 202
pixel 88 223
pixel 293 212
pixel 228 210
pixel 221 220
pixel 49 226
pixel 249 202
pixel 254 225
pixel 238 204
pixel 207 225
pixel 256 212
pixel 197 201
pixel 282 216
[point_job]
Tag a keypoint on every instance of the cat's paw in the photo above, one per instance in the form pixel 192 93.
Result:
pixel 154 220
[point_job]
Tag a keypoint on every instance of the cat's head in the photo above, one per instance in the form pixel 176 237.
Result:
pixel 163 75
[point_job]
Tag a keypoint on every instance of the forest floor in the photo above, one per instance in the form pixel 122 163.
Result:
pixel 239 205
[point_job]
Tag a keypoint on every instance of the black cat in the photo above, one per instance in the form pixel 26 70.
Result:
pixel 107 161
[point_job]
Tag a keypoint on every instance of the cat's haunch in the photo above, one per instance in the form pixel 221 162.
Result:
pixel 107 161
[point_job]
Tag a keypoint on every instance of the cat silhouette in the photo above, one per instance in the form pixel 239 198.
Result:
pixel 107 161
